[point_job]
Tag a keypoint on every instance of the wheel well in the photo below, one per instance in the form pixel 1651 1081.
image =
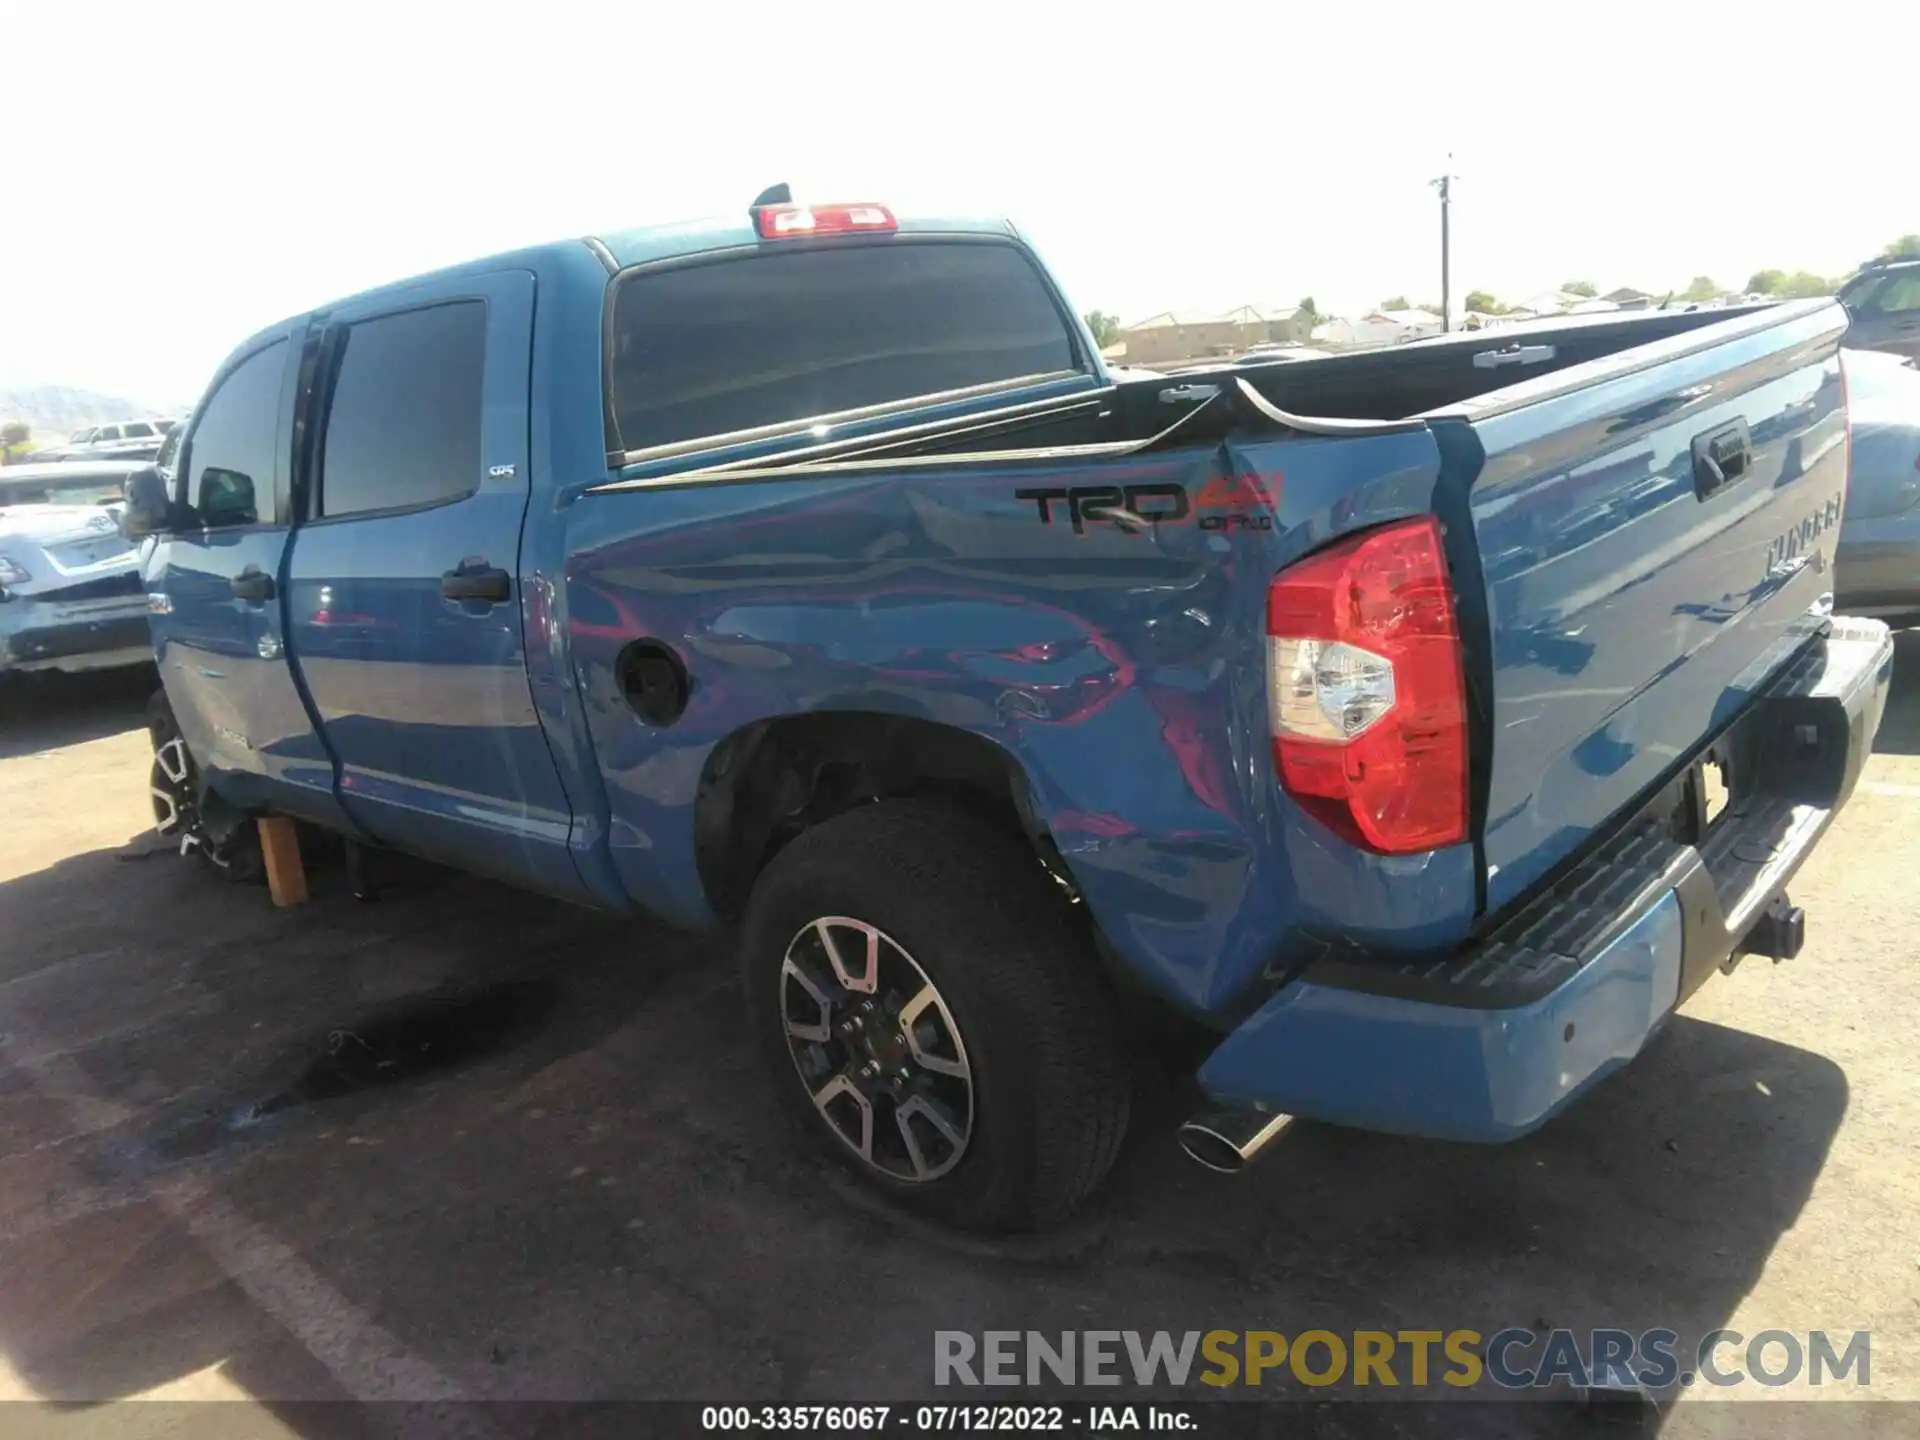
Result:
pixel 771 780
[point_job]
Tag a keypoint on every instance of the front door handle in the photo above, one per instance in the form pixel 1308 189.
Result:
pixel 254 585
pixel 477 581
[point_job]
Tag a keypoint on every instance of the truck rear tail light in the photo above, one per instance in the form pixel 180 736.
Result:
pixel 1366 689
pixel 779 222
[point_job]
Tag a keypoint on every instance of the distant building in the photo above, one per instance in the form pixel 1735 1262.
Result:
pixel 1552 302
pixel 1416 324
pixel 1378 327
pixel 1176 335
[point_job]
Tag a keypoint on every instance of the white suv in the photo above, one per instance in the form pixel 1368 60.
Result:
pixel 121 440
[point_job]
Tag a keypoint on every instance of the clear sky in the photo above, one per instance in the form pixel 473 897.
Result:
pixel 182 173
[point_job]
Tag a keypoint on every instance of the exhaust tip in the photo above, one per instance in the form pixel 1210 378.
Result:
pixel 1226 1138
pixel 1211 1149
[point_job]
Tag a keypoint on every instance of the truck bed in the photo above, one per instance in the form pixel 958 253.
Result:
pixel 1388 387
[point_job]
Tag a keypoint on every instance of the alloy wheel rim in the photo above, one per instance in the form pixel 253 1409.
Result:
pixel 172 795
pixel 175 814
pixel 877 1049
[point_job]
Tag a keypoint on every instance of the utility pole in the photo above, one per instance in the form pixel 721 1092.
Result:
pixel 1445 185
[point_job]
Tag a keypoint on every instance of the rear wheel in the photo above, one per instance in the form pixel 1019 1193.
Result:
pixel 933 1014
pixel 174 784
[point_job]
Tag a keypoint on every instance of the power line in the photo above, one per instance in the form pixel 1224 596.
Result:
pixel 1444 184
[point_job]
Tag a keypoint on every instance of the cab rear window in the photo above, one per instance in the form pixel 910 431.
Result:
pixel 781 337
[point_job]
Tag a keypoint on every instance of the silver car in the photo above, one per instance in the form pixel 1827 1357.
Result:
pixel 70 592
pixel 1878 561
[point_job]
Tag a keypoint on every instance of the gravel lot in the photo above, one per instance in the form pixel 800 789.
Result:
pixel 198 1197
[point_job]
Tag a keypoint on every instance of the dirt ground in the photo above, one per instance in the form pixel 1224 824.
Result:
pixel 200 1198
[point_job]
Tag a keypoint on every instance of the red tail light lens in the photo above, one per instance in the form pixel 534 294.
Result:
pixel 1366 689
pixel 779 222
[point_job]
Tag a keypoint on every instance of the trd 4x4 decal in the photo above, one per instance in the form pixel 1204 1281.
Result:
pixel 1244 502
pixel 1130 507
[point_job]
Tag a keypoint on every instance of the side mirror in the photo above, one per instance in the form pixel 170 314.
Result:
pixel 149 508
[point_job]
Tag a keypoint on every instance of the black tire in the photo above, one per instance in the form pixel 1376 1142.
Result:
pixel 972 907
pixel 233 856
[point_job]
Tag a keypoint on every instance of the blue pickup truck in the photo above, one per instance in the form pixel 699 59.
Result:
pixel 1426 724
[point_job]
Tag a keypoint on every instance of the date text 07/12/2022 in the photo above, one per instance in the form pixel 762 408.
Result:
pixel 918 1419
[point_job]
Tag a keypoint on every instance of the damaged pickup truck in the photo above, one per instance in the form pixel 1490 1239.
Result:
pixel 1428 724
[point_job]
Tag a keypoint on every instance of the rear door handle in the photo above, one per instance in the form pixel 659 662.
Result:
pixel 477 581
pixel 1721 457
pixel 255 585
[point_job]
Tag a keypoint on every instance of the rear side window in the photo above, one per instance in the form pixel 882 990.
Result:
pixel 230 455
pixel 781 337
pixel 1884 294
pixel 403 430
pixel 1900 294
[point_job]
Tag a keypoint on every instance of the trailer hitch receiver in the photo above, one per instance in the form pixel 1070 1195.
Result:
pixel 1778 933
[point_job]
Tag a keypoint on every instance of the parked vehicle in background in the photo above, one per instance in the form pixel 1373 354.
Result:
pixel 1427 724
pixel 169 449
pixel 70 593
pixel 121 440
pixel 1884 303
pixel 1877 567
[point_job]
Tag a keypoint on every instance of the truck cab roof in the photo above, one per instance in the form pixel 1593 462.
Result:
pixel 622 249
pixel 648 244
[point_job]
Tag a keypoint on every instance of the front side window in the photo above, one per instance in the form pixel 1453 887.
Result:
pixel 780 337
pixel 230 455
pixel 107 432
pixel 137 430
pixel 403 428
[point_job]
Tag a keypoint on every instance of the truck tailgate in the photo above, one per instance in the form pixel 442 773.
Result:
pixel 1655 533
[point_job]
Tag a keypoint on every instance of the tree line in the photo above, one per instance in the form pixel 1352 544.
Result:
pixel 1775 284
